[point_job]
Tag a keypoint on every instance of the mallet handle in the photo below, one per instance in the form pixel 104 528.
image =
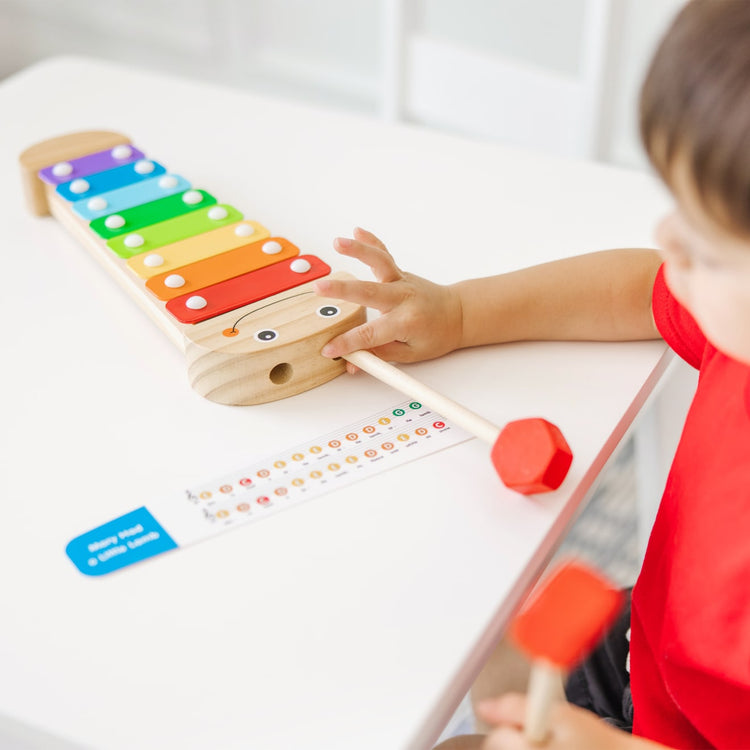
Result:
pixel 413 388
pixel 545 687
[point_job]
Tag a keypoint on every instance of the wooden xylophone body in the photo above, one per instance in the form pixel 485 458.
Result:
pixel 237 301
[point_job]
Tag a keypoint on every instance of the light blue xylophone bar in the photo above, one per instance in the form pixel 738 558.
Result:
pixel 114 201
pixel 111 179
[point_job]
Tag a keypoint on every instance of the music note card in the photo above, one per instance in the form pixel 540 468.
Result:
pixel 391 438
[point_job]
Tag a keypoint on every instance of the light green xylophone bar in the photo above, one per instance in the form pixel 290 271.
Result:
pixel 174 230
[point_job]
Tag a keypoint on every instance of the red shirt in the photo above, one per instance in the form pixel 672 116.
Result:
pixel 690 642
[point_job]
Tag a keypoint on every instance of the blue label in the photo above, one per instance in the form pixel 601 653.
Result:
pixel 128 539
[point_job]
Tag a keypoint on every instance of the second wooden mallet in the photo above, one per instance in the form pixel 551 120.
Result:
pixel 563 620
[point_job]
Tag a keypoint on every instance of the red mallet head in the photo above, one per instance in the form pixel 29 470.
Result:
pixel 566 616
pixel 531 455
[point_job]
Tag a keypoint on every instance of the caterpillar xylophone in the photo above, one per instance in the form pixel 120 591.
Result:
pixel 237 300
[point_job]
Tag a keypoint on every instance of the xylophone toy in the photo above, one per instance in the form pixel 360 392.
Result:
pixel 238 301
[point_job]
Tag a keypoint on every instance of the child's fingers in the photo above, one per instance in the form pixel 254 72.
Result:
pixel 368 293
pixel 377 258
pixel 364 236
pixel 369 335
pixel 507 713
pixel 507 709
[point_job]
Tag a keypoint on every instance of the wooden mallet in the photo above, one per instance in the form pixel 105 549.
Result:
pixel 563 620
pixel 529 455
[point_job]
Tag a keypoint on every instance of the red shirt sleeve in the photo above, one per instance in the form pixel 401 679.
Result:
pixel 676 324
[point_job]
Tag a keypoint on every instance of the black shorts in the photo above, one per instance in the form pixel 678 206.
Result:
pixel 602 683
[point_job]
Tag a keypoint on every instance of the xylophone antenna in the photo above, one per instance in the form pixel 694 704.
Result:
pixel 529 455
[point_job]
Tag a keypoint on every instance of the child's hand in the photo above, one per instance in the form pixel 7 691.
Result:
pixel 419 320
pixel 571 728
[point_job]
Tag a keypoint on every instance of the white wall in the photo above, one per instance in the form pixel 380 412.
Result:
pixel 541 32
pixel 545 46
pixel 643 23
pixel 332 52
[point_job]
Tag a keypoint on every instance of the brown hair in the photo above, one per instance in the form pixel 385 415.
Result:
pixel 695 105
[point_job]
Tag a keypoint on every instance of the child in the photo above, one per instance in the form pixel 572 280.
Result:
pixel 689 647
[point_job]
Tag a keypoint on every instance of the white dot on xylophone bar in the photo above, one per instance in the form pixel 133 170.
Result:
pixel 191 197
pixel 174 281
pixel 97 204
pixel 121 152
pixel 167 181
pixel 133 240
pixel 114 222
pixel 195 303
pixel 244 230
pixel 63 169
pixel 79 186
pixel 217 213
pixel 271 247
pixel 300 265
pixel 144 166
pixel 153 260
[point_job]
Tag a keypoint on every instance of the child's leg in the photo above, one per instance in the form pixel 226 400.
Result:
pixel 602 682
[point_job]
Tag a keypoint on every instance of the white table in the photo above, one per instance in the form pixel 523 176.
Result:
pixel 359 619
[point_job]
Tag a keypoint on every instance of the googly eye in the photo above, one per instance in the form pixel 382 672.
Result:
pixel 266 335
pixel 328 311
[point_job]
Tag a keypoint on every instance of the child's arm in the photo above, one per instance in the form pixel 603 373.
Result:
pixel 604 296
pixel 571 728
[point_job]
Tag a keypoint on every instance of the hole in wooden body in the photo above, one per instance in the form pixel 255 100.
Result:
pixel 281 374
